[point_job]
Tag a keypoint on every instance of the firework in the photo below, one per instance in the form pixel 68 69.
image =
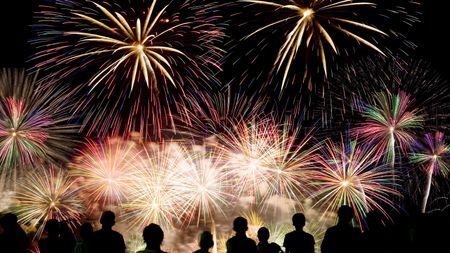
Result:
pixel 269 160
pixel 34 121
pixel 312 25
pixel 48 193
pixel 433 156
pixel 210 113
pixel 389 122
pixel 104 170
pixel 350 175
pixel 356 84
pixel 137 63
pixel 203 185
pixel 153 196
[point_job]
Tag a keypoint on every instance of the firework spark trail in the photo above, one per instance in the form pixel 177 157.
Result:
pixel 357 82
pixel 350 174
pixel 138 65
pixel 432 155
pixel 312 22
pixel 103 167
pixel 269 160
pixel 34 121
pixel 211 113
pixel 389 122
pixel 48 193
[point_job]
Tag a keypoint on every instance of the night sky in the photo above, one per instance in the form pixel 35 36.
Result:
pixel 430 36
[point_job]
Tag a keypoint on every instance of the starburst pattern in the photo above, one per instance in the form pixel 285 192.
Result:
pixel 311 25
pixel 433 155
pixel 350 174
pixel 34 121
pixel 48 193
pixel 389 122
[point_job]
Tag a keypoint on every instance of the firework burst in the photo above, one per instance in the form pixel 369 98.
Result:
pixel 153 196
pixel 104 169
pixel 433 156
pixel 136 62
pixel 269 160
pixel 34 121
pixel 350 174
pixel 203 185
pixel 312 25
pixel 360 80
pixel 48 193
pixel 390 122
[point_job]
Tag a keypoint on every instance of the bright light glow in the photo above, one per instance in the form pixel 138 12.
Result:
pixel 345 183
pixel 140 47
pixel 391 129
pixel 307 12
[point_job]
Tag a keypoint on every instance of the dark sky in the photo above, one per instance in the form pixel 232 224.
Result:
pixel 431 35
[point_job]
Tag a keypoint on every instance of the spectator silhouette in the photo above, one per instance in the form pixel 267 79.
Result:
pixel 153 237
pixel 264 246
pixel 67 238
pixel 52 243
pixel 84 244
pixel 205 243
pixel 240 243
pixel 107 240
pixel 375 237
pixel 342 238
pixel 298 241
pixel 12 238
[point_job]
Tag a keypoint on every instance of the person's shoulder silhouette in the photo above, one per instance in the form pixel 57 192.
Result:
pixel 107 240
pixel 13 238
pixel 298 241
pixel 342 238
pixel 153 236
pixel 240 243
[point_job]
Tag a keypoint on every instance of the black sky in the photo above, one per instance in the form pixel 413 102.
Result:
pixel 432 35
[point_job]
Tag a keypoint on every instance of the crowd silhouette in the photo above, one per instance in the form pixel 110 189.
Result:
pixel 428 234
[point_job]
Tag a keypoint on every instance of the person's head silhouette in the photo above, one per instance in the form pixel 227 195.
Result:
pixel 153 236
pixel 240 225
pixel 298 220
pixel 8 222
pixel 108 219
pixel 52 228
pixel 206 240
pixel 263 235
pixel 345 214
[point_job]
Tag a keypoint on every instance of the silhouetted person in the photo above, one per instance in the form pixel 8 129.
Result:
pixel 342 238
pixel 153 237
pixel 67 238
pixel 298 241
pixel 206 242
pixel 12 239
pixel 375 237
pixel 52 243
pixel 107 240
pixel 85 243
pixel 240 243
pixel 264 246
